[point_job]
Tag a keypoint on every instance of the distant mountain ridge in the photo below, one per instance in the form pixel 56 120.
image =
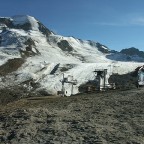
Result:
pixel 18 31
pixel 23 32
pixel 128 54
pixel 132 51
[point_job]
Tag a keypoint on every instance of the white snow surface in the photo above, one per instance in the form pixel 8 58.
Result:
pixel 83 59
pixel 82 72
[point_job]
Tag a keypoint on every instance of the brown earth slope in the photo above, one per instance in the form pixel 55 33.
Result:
pixel 113 117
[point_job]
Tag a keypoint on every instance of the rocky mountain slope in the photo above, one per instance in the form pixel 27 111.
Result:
pixel 133 52
pixel 33 56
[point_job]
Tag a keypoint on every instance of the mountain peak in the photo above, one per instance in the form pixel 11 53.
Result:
pixel 24 22
pixel 25 19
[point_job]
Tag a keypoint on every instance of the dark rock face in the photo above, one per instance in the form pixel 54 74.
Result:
pixel 44 30
pixel 65 46
pixel 67 67
pixel 92 43
pixel 9 23
pixel 30 45
pixel 26 26
pixel 125 81
pixel 10 66
pixel 30 42
pixel 99 46
pixel 6 21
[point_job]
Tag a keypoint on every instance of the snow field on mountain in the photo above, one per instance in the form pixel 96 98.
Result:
pixel 84 57
pixel 82 72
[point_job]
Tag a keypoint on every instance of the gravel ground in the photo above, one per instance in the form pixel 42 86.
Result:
pixel 112 117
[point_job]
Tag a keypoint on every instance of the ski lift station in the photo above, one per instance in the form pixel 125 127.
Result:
pixel 101 77
pixel 141 76
pixel 69 79
pixel 100 81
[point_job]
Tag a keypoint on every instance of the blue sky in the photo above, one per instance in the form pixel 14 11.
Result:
pixel 117 24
